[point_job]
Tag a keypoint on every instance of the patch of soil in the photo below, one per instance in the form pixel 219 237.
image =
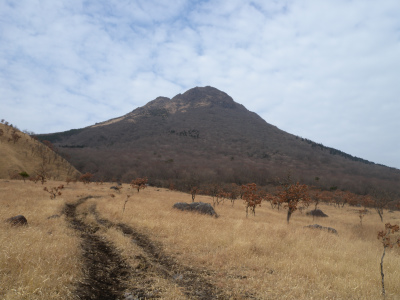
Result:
pixel 105 269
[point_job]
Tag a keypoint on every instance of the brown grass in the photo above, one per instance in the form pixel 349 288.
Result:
pixel 260 256
pixel 263 254
pixel 41 260
pixel 24 156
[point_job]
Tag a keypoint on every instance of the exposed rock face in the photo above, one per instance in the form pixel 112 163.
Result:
pixel 317 213
pixel 316 226
pixel 200 207
pixel 19 220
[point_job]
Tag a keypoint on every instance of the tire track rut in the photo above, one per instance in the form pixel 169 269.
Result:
pixel 107 273
pixel 192 281
pixel 105 270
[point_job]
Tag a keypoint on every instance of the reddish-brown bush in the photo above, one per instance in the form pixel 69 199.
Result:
pixel 86 178
pixel 293 195
pixel 139 183
pixel 251 197
pixel 54 191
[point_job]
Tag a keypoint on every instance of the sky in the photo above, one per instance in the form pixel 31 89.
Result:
pixel 325 70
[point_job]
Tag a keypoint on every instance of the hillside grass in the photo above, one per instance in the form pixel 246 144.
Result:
pixel 260 256
pixel 27 154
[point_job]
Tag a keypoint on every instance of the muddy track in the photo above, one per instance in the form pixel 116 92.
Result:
pixel 105 270
pixel 193 282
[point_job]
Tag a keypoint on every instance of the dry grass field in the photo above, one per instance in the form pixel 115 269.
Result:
pixel 41 260
pixel 152 251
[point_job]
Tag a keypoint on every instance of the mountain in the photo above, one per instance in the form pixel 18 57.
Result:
pixel 19 152
pixel 204 135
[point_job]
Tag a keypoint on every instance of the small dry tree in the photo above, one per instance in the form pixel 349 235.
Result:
pixel 126 201
pixel 251 197
pixel 293 195
pixel 317 199
pixel 214 190
pixel 39 177
pixel 193 192
pixel 139 183
pixel 235 192
pixel 54 191
pixel 273 200
pixel 361 214
pixel 388 240
pixel 86 178
pixel 381 200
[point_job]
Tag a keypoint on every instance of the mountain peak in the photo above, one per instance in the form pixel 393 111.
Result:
pixel 210 91
pixel 193 98
pixel 205 96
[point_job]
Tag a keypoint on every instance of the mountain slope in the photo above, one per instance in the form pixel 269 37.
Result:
pixel 204 135
pixel 20 152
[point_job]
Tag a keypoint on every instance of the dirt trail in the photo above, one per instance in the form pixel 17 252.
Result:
pixel 193 282
pixel 108 274
pixel 106 271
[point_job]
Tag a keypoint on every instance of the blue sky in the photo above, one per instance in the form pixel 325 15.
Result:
pixel 327 70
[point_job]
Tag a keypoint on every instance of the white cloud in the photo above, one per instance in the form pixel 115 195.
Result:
pixel 325 70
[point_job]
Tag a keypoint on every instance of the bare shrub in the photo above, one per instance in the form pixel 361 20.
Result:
pixel 54 191
pixel 388 241
pixel 139 183
pixel 251 197
pixel 86 178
